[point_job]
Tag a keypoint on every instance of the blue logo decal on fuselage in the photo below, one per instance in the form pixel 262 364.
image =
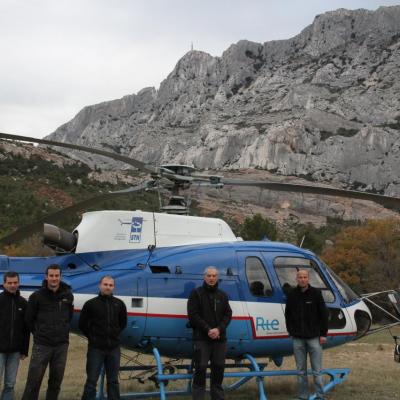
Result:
pixel 266 324
pixel 136 230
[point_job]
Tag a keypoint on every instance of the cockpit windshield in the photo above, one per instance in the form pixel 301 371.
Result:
pixel 347 293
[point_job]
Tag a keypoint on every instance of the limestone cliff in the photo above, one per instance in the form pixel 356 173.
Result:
pixel 324 105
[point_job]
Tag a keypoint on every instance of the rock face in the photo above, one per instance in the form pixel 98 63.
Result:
pixel 324 105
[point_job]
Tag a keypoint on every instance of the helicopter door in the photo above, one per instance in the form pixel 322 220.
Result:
pixel 263 300
pixel 238 331
pixel 166 308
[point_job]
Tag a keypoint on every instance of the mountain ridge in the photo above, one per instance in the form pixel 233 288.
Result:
pixel 324 105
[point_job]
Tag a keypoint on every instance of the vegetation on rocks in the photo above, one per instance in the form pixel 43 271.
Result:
pixel 31 188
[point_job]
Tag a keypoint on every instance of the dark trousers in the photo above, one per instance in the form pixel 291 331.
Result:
pixel 96 358
pixel 53 356
pixel 205 351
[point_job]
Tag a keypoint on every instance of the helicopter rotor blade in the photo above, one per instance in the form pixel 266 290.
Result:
pixel 207 184
pixel 147 185
pixel 131 161
pixel 28 230
pixel 157 172
pixel 386 201
pixel 184 176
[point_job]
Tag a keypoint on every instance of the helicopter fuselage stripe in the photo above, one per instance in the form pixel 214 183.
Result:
pixel 258 316
pixel 235 318
pixel 263 320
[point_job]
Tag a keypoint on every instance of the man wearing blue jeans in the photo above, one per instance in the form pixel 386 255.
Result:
pixel 102 320
pixel 307 323
pixel 14 333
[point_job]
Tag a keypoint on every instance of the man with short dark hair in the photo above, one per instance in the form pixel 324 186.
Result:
pixel 14 333
pixel 49 313
pixel 209 315
pixel 102 320
pixel 307 323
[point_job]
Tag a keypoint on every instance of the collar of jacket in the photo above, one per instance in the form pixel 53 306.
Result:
pixel 61 289
pixel 210 288
pixel 105 296
pixel 304 291
pixel 6 293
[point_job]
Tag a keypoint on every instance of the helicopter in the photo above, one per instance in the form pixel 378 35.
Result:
pixel 157 259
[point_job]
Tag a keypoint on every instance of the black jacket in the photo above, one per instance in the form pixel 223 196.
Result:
pixel 14 333
pixel 208 307
pixel 102 320
pixel 306 313
pixel 49 314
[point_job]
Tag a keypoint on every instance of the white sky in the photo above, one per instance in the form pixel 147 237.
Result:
pixel 57 56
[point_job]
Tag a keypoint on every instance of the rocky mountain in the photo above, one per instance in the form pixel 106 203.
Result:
pixel 323 105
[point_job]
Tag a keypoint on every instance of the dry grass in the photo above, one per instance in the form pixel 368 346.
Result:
pixel 374 375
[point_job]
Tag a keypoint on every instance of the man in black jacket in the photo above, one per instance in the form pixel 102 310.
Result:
pixel 307 323
pixel 102 320
pixel 14 333
pixel 49 313
pixel 209 315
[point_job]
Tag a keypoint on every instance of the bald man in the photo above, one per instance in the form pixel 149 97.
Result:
pixel 307 323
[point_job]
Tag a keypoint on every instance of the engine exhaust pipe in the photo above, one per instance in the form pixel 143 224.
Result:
pixel 58 238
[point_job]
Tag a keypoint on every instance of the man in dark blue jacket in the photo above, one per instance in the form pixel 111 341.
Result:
pixel 102 320
pixel 14 333
pixel 307 323
pixel 209 315
pixel 49 313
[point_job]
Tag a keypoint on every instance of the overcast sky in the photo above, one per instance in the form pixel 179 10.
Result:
pixel 57 56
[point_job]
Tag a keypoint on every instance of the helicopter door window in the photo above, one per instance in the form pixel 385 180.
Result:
pixel 257 277
pixel 286 268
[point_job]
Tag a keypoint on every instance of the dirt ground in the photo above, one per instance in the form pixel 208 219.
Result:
pixel 374 375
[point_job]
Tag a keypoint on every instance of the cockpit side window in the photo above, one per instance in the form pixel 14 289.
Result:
pixel 259 283
pixel 286 268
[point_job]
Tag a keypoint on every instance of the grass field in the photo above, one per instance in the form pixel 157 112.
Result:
pixel 374 375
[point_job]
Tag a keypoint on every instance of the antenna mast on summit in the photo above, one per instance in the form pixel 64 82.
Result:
pixel 191 47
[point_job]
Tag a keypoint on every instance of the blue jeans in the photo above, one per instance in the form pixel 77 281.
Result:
pixel 302 347
pixel 9 363
pixel 96 358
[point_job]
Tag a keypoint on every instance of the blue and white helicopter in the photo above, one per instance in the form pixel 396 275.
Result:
pixel 156 260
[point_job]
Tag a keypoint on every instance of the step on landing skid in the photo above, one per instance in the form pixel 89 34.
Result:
pixel 163 376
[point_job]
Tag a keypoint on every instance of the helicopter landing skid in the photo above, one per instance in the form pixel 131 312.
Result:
pixel 162 375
